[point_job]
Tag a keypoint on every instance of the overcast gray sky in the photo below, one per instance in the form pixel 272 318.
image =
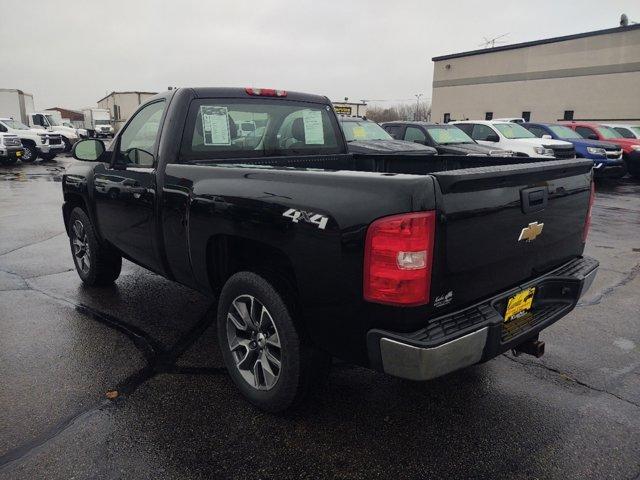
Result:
pixel 70 53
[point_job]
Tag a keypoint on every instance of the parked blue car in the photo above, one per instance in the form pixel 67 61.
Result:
pixel 607 157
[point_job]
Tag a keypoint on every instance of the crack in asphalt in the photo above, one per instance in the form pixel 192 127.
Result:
pixel 159 360
pixel 31 244
pixel 570 378
pixel 633 273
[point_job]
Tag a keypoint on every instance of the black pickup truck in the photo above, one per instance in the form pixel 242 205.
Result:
pixel 411 266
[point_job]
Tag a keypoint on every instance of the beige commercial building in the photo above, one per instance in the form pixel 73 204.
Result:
pixel 123 104
pixel 591 76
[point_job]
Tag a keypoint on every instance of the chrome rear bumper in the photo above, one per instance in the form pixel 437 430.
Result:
pixel 403 356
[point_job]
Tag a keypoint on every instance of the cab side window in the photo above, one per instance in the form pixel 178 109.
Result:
pixel 624 132
pixel 3 129
pixel 466 128
pixel 584 132
pixel 482 132
pixel 393 130
pixel 413 134
pixel 138 139
pixel 39 120
pixel 537 131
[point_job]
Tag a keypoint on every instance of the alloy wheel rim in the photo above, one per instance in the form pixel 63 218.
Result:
pixel 254 342
pixel 28 154
pixel 80 247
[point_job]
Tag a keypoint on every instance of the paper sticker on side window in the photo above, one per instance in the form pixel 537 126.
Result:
pixel 215 125
pixel 313 130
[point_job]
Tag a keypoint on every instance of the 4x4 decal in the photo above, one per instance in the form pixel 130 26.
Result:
pixel 308 217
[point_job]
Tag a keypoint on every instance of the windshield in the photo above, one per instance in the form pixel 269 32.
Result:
pixel 564 132
pixel 52 121
pixel 101 122
pixel 607 132
pixel 513 131
pixel 15 125
pixel 444 135
pixel 363 130
pixel 282 127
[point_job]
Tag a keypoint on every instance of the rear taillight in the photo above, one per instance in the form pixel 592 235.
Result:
pixel 587 222
pixel 398 256
pixel 265 92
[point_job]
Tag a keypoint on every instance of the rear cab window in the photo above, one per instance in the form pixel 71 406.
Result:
pixel 227 128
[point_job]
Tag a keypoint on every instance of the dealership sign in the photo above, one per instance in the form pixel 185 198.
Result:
pixel 342 110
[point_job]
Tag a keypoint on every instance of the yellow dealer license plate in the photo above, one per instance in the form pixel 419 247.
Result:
pixel 18 154
pixel 519 304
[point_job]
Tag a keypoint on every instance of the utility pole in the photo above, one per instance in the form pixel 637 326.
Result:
pixel 417 95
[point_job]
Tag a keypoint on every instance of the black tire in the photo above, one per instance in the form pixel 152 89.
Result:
pixel 301 365
pixel 48 156
pixel 101 265
pixel 30 153
pixel 67 144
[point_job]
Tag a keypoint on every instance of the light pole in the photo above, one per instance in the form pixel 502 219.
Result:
pixel 417 95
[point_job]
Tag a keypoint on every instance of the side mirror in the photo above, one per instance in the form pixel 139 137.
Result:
pixel 492 137
pixel 592 136
pixel 547 136
pixel 89 150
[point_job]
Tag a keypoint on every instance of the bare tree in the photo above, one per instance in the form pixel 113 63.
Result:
pixel 402 111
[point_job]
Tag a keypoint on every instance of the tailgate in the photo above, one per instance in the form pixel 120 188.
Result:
pixel 481 248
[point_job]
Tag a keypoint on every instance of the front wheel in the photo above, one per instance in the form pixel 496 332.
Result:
pixel 96 264
pixel 67 144
pixel 30 153
pixel 262 346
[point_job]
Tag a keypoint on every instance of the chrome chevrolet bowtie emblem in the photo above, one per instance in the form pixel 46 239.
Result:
pixel 531 232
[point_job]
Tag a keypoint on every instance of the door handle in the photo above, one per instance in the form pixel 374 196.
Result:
pixel 137 192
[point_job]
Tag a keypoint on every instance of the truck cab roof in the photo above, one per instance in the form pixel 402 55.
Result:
pixel 237 92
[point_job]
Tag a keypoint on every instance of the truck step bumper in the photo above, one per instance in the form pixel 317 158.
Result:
pixel 479 333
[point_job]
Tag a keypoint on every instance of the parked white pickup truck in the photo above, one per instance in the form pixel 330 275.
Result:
pixel 10 149
pixel 36 142
pixel 47 121
pixel 514 137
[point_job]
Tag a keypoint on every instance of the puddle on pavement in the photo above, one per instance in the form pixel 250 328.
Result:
pixel 45 173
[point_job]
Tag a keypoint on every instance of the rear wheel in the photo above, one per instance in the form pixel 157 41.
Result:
pixel 95 263
pixel 30 153
pixel 262 346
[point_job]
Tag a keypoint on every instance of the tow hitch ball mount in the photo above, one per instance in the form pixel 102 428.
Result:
pixel 531 347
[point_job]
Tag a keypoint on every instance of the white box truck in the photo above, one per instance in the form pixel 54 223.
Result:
pixel 18 105
pixel 97 122
pixel 15 104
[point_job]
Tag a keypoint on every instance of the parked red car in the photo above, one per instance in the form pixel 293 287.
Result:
pixel 630 146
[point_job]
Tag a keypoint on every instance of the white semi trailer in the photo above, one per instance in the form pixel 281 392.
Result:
pixel 97 122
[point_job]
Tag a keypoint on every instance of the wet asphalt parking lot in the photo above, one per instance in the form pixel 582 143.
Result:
pixel 575 413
